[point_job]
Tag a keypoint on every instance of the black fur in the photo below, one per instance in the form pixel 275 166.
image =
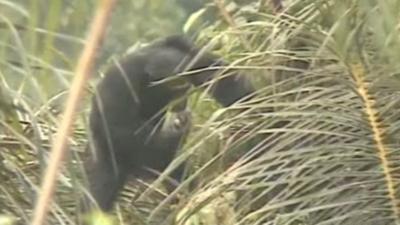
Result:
pixel 128 132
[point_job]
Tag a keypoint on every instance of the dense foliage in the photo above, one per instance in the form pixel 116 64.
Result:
pixel 318 144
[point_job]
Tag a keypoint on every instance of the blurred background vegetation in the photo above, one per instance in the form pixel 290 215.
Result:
pixel 319 144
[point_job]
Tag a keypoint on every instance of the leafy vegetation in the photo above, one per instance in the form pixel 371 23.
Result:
pixel 317 144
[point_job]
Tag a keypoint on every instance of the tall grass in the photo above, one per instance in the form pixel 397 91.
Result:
pixel 317 144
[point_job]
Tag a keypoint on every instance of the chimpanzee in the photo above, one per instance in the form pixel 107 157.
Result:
pixel 128 133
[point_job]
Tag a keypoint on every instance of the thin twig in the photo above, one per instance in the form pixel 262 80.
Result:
pixel 83 70
pixel 277 5
pixel 228 18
